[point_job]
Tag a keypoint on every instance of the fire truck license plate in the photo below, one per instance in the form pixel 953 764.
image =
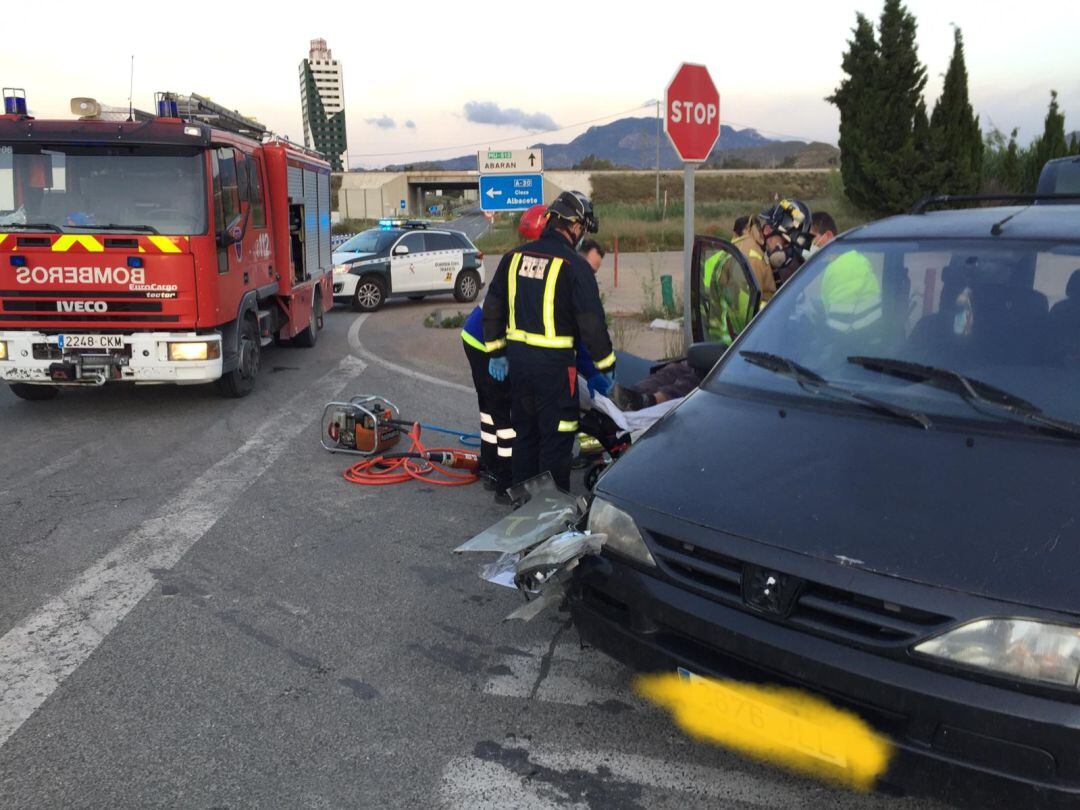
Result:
pixel 91 341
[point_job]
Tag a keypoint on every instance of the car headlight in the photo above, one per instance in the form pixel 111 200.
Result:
pixel 341 269
pixel 1020 648
pixel 3 350
pixel 622 533
pixel 194 350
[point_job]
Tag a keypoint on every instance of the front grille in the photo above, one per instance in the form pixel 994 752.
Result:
pixel 820 609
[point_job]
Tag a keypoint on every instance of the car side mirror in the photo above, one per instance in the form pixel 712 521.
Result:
pixel 701 357
pixel 401 250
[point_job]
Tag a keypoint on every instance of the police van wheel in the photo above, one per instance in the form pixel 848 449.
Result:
pixel 467 286
pixel 34 393
pixel 241 380
pixel 370 294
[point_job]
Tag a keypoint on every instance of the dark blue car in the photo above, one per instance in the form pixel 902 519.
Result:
pixel 875 496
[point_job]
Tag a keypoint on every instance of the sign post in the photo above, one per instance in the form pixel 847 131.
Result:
pixel 692 124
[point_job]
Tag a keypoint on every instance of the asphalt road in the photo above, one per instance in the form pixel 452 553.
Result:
pixel 471 222
pixel 197 611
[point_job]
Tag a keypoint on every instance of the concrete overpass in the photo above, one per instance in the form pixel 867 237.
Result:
pixel 371 195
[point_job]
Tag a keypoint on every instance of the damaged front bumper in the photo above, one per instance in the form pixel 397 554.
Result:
pixel 954 737
pixel 539 543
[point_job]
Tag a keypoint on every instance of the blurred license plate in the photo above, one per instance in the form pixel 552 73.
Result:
pixel 91 341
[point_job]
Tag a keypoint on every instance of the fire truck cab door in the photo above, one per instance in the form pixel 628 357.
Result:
pixel 238 224
pixel 254 254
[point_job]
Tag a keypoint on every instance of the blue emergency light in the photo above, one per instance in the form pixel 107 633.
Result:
pixel 14 101
pixel 167 106
pixel 134 261
pixel 18 261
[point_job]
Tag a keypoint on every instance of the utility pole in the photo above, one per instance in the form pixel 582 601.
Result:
pixel 658 154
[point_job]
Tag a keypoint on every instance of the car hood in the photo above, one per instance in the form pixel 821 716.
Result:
pixel 987 513
pixel 346 257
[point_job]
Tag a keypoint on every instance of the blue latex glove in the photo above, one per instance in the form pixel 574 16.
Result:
pixel 499 368
pixel 598 383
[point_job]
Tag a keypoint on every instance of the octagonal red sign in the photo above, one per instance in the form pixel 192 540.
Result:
pixel 692 113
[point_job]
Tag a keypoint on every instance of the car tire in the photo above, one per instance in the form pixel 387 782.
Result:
pixel 310 336
pixel 467 286
pixel 241 380
pixel 370 294
pixel 34 393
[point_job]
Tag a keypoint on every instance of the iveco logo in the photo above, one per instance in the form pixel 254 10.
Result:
pixel 82 306
pixel 769 591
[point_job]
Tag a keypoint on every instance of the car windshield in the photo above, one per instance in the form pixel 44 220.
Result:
pixel 1004 314
pixel 374 240
pixel 73 188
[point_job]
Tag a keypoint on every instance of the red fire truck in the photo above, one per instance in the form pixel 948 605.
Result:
pixel 167 248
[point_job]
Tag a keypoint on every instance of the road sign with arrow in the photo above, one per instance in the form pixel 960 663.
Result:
pixel 510 192
pixel 510 161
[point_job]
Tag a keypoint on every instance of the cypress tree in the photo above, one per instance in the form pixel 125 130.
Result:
pixel 1051 144
pixel 1012 166
pixel 923 176
pixel 854 98
pixel 884 133
pixel 899 84
pixel 956 141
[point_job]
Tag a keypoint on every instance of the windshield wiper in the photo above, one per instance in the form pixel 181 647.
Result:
pixel 113 227
pixel 32 226
pixel 981 396
pixel 814 383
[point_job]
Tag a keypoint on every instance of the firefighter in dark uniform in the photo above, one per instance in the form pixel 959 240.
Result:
pixel 544 300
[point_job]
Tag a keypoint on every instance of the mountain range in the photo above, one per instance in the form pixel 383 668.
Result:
pixel 630 143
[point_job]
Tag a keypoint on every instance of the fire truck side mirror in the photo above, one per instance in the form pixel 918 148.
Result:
pixel 235 230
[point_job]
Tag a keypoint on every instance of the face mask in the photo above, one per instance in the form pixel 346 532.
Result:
pixel 778 258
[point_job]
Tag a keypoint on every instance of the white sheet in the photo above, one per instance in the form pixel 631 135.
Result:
pixel 634 422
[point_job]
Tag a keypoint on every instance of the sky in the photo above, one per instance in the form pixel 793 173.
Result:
pixel 427 80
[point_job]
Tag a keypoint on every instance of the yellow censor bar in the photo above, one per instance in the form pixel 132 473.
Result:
pixel 783 726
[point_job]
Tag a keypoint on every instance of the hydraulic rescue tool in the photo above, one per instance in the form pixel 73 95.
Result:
pixel 369 425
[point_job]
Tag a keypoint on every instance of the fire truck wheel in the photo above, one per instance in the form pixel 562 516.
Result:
pixel 370 294
pixel 467 286
pixel 241 380
pixel 310 335
pixel 34 393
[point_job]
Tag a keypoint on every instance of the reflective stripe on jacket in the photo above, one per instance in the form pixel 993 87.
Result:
pixel 544 295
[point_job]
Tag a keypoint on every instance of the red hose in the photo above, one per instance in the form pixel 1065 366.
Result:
pixel 393 469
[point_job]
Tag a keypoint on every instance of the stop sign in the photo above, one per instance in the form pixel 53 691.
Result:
pixel 692 116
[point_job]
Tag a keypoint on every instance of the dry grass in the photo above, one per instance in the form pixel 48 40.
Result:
pixel 711 186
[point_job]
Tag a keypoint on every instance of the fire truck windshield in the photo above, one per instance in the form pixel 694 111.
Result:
pixel 75 188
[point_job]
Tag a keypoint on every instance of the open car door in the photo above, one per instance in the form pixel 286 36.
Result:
pixel 724 294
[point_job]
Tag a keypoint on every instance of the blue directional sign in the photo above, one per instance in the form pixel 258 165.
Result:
pixel 510 192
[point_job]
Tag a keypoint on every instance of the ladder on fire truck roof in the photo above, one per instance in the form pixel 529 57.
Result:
pixel 199 108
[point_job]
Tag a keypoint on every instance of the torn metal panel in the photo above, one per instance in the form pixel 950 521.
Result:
pixel 555 556
pixel 547 511
pixel 501 572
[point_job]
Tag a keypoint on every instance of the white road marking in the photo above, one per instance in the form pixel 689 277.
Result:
pixel 37 654
pixel 358 347
pixel 480 783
